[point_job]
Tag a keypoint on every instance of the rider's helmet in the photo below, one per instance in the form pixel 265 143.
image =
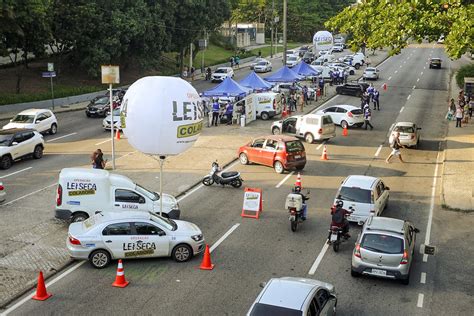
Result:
pixel 339 203
pixel 297 189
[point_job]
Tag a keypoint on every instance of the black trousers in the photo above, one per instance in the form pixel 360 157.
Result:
pixel 367 123
pixel 215 117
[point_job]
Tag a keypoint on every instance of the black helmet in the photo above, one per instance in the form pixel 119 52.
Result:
pixel 339 203
pixel 297 189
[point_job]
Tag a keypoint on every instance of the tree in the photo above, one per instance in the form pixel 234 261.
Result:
pixel 380 23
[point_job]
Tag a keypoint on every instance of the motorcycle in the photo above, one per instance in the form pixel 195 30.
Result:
pixel 295 204
pixel 337 235
pixel 224 178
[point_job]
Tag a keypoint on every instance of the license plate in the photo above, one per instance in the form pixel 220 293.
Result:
pixel 292 217
pixel 333 237
pixel 297 156
pixel 379 272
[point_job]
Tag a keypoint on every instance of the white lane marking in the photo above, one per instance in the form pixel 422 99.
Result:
pixel 425 258
pixel 417 79
pixel 284 179
pixel 432 203
pixel 414 87
pixel 321 145
pixel 60 137
pixel 400 66
pixel 217 243
pixel 408 97
pixel 318 259
pixel 421 74
pixel 396 71
pixel 48 284
pixel 105 141
pixel 10 174
pixel 420 300
pixel 403 108
pixel 389 77
pixel 29 194
pixel 378 151
pixel 423 278
pixel 425 66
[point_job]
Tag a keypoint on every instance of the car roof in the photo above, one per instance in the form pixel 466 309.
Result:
pixel 359 181
pixel 14 130
pixel 33 111
pixel 387 224
pixel 284 138
pixel 346 106
pixel 226 68
pixel 404 124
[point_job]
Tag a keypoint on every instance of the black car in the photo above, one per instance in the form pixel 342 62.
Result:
pixel 308 57
pixel 355 89
pixel 435 63
pixel 98 107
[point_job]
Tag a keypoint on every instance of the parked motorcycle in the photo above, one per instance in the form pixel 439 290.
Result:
pixel 295 204
pixel 337 235
pixel 223 178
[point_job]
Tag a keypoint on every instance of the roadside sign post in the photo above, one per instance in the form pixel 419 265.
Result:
pixel 111 75
pixel 50 74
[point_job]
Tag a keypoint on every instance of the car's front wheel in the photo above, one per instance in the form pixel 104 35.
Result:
pixel 6 162
pixel 265 116
pixel 243 159
pixel 99 259
pixel 54 129
pixel 278 167
pixel 182 253
pixel 38 152
pixel 79 217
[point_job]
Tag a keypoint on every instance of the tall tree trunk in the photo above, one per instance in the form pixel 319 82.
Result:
pixel 19 76
pixel 181 61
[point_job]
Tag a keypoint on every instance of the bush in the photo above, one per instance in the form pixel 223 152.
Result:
pixel 464 71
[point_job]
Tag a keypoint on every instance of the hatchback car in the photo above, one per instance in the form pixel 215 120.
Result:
pixel 98 107
pixel 371 73
pixel 368 196
pixel 256 61
pixel 18 143
pixel 435 63
pixel 409 134
pixel 263 66
pixel 278 151
pixel 345 115
pixel 41 120
pixel 221 73
pixel 385 248
pixel 354 89
pixel 295 296
pixel 292 60
pixel 310 127
pixel 113 235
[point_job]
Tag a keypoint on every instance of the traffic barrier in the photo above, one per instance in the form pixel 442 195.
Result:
pixel 117 135
pixel 298 181
pixel 252 203
pixel 385 86
pixel 120 278
pixel 344 131
pixel 206 263
pixel 324 156
pixel 41 293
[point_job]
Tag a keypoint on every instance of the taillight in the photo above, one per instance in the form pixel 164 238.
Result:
pixel 59 195
pixel 2 188
pixel 74 241
pixel 357 251
pixel 293 211
pixel 320 131
pixel 404 258
pixel 349 114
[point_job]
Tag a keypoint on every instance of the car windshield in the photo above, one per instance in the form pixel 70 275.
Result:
pixel 22 118
pixel 292 58
pixel 294 146
pixel 163 221
pixel 262 63
pixel 260 309
pixel 103 100
pixel 221 71
pixel 354 195
pixel 151 195
pixel 382 243
pixel 117 112
pixel 5 140
pixel 404 129
pixel 370 70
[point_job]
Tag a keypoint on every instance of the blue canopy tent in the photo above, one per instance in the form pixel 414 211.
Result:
pixel 255 82
pixel 303 69
pixel 284 74
pixel 227 88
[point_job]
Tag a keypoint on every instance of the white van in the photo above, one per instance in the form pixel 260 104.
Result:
pixel 266 104
pixel 311 127
pixel 82 192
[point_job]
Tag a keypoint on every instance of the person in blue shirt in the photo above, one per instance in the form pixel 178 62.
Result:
pixel 375 98
pixel 229 111
pixel 215 112
pixel 370 91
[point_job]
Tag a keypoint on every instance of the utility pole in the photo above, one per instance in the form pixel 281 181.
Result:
pixel 190 57
pixel 284 32
pixel 272 26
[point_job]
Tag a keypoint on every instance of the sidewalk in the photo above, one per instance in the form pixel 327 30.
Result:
pixel 458 165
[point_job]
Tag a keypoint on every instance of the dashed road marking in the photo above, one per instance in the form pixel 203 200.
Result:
pixel 284 179
pixel 408 97
pixel 389 77
pixel 400 66
pixel 218 242
pixel 423 278
pixel 403 108
pixel 378 151
pixel 103 142
pixel 421 73
pixel 432 203
pixel 417 79
pixel 16 172
pixel 318 260
pixel 414 87
pixel 420 300
pixel 425 66
pixel 61 137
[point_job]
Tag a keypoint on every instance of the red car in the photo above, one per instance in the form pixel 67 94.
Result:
pixel 278 151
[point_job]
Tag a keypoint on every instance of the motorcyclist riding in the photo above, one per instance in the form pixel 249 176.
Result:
pixel 339 218
pixel 297 190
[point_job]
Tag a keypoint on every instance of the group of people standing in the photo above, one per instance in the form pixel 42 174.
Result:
pixel 338 76
pixel 295 98
pixel 370 95
pixel 462 111
pixel 222 112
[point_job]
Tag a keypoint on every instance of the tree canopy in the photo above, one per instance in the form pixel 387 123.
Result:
pixel 384 23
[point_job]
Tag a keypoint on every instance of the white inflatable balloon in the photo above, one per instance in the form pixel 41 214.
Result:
pixel 322 40
pixel 161 115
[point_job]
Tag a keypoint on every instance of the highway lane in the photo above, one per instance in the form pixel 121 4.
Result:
pixel 260 249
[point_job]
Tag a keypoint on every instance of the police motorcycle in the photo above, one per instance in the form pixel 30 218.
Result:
pixel 223 178
pixel 295 204
pixel 337 234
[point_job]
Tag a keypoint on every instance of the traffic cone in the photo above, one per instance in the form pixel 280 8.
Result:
pixel 41 294
pixel 298 181
pixel 344 131
pixel 117 135
pixel 385 86
pixel 120 278
pixel 284 114
pixel 206 263
pixel 324 156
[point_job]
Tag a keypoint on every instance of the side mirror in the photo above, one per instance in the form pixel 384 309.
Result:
pixel 262 284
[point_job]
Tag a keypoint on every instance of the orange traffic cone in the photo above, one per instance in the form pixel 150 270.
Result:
pixel 41 294
pixel 385 86
pixel 284 113
pixel 344 131
pixel 324 156
pixel 120 278
pixel 117 135
pixel 298 181
pixel 206 263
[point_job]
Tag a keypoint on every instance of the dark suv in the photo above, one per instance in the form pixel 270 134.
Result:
pixel 354 89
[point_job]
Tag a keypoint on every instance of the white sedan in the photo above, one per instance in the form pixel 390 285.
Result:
pixel 409 134
pixel 263 66
pixel 221 73
pixel 113 235
pixel 292 60
pixel 371 73
pixel 41 120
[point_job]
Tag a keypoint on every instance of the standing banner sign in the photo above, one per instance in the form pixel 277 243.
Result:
pixel 252 202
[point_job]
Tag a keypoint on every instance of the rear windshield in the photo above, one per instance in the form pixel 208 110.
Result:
pixel 404 129
pixel 356 111
pixel 271 310
pixel 382 243
pixel 355 195
pixel 294 146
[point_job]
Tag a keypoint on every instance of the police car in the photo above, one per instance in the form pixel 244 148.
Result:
pixel 113 235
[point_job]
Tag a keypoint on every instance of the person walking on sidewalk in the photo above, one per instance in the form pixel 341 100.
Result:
pixel 367 117
pixel 394 141
pixel 459 114
pixel 376 100
pixel 215 112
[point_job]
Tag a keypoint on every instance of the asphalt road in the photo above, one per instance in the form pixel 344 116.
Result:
pixel 260 249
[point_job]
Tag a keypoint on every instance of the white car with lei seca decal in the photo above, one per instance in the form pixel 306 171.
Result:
pixel 113 235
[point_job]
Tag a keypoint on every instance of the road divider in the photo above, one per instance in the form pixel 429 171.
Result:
pixel 318 260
